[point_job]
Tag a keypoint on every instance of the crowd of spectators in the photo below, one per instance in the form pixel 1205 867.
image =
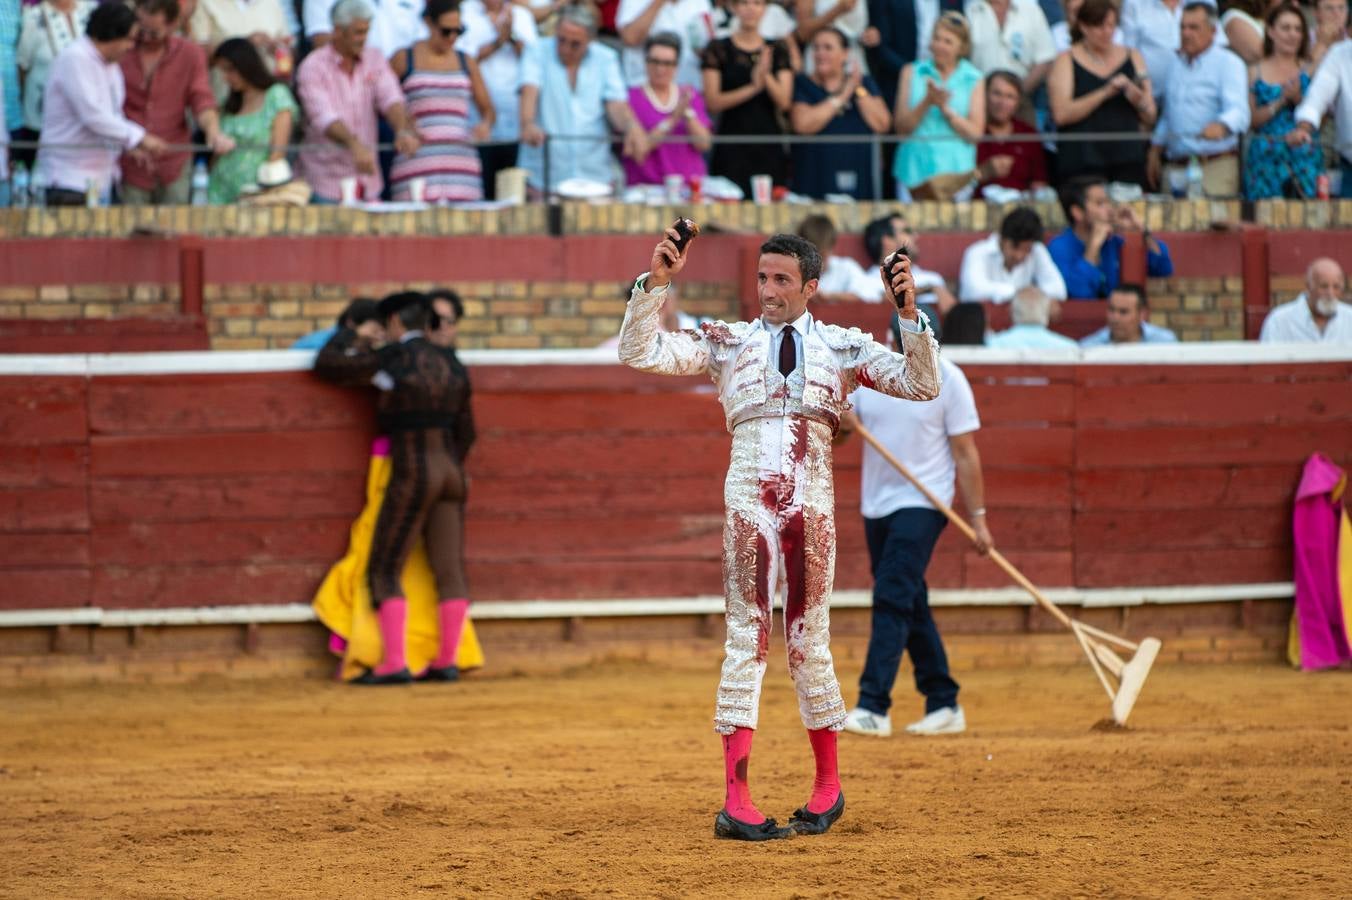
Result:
pixel 1166 96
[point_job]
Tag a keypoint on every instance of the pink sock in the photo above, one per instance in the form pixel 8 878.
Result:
pixel 451 615
pixel 736 760
pixel 392 615
pixel 826 785
pixel 337 644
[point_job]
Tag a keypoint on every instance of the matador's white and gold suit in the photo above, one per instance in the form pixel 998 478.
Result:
pixel 779 492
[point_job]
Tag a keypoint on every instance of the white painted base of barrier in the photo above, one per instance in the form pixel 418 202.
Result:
pixel 1093 598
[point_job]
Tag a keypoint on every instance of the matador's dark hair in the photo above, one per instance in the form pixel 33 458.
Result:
pixel 801 249
pixel 412 308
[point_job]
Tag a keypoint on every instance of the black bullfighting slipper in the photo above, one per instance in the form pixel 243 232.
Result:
pixel 445 673
pixel 403 676
pixel 725 826
pixel 804 822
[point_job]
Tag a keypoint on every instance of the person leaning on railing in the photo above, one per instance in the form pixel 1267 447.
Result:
pixel 1276 86
pixel 1100 87
pixel 836 99
pixel 1332 84
pixel 258 115
pixel 497 34
pixel 941 105
pixel 46 29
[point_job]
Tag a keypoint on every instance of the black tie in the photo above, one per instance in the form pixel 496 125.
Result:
pixel 788 354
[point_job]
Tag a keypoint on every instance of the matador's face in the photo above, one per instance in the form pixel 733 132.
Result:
pixel 780 288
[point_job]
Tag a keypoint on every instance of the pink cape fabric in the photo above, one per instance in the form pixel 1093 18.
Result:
pixel 1319 607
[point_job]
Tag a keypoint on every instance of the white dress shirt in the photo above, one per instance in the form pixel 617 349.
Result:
pixel 984 276
pixel 1332 83
pixel 1153 28
pixel 690 20
pixel 1024 42
pixel 501 69
pixel 82 105
pixel 1211 87
pixel 1292 323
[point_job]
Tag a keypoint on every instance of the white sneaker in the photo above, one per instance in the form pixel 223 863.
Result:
pixel 948 720
pixel 861 721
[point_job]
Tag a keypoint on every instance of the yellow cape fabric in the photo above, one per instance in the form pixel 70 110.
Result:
pixel 343 601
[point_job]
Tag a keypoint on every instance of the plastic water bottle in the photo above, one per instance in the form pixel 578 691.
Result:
pixel 39 189
pixel 1194 177
pixel 200 180
pixel 18 186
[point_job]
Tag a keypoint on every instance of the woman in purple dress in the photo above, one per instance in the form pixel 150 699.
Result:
pixel 674 117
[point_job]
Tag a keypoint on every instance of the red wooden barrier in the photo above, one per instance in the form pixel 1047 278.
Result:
pixel 597 481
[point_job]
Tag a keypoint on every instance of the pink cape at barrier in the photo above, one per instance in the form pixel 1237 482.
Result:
pixel 1323 565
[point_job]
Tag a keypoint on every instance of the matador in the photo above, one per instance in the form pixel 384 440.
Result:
pixel 784 380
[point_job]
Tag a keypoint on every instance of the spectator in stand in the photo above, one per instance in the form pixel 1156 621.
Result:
pixel 965 326
pixel 1242 22
pixel 748 85
pixel 1061 31
pixel 362 315
pixel 1127 314
pixel 450 309
pixel 571 85
pixel 1030 311
pixel 47 28
pixel 1206 108
pixel 82 112
pixel 1012 36
pixel 1089 252
pixel 996 268
pixel 1153 27
pixel 941 102
pixel 1318 316
pixel 166 78
pixel 11 88
pixel 394 24
pixel 688 21
pixel 1272 168
pixel 1018 165
pixel 1099 86
pixel 343 86
pixel 668 113
pixel 776 25
pixel 1330 27
pixel 849 17
pixel 1332 83
pixel 899 33
pixel 882 237
pixel 259 115
pixel 842 278
pixel 441 85
pixel 261 22
pixel 836 99
pixel 497 34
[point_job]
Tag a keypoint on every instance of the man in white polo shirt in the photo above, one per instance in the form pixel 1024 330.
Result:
pixel 1317 316
pixel 936 440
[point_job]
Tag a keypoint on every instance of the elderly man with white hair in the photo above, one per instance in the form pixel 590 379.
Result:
pixel 1317 316
pixel 1031 310
pixel 571 85
pixel 343 87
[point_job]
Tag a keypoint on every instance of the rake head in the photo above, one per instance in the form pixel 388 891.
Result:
pixel 1122 680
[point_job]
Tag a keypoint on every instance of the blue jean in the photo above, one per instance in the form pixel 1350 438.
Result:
pixel 899 549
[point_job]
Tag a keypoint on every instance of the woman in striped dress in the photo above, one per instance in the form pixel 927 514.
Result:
pixel 440 83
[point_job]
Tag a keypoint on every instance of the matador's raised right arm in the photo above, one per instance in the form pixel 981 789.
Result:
pixel 646 347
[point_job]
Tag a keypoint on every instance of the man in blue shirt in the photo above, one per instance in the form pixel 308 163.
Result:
pixel 361 315
pixel 1127 312
pixel 1089 252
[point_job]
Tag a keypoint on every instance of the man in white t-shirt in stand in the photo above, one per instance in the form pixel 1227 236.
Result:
pixel 937 442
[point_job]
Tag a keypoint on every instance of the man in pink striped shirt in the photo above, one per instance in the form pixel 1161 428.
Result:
pixel 343 86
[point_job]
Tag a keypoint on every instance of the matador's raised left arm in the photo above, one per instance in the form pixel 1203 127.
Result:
pixel 911 373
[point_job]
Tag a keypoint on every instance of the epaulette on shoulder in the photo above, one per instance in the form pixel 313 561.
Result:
pixel 727 333
pixel 838 338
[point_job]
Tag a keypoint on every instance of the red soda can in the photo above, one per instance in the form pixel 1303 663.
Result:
pixel 1321 186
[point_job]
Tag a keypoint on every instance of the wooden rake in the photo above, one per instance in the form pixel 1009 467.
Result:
pixel 1122 680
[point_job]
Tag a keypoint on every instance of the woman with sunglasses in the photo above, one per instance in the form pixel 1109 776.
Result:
pixel 440 83
pixel 669 114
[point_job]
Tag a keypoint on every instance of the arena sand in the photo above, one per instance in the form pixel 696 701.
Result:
pixel 1232 781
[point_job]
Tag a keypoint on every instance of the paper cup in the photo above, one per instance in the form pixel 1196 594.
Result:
pixel 417 189
pixel 762 187
pixel 510 185
pixel 348 187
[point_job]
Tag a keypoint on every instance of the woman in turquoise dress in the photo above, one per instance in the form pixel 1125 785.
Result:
pixel 942 105
pixel 1276 85
pixel 258 115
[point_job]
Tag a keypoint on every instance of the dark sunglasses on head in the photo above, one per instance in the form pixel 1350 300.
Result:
pixel 664 63
pixel 455 31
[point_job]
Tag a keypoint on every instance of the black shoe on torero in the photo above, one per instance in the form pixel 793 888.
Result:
pixel 445 673
pixel 804 822
pixel 725 826
pixel 403 676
